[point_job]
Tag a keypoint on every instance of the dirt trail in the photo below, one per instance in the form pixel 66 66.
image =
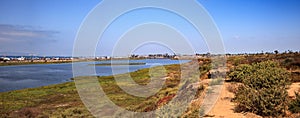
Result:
pixel 224 108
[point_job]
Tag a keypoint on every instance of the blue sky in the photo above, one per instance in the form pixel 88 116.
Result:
pixel 49 27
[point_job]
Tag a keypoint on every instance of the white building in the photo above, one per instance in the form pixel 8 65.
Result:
pixel 21 59
pixel 5 58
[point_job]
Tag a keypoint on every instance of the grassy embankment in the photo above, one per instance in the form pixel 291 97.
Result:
pixel 62 100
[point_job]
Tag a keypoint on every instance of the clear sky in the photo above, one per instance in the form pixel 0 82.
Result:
pixel 49 27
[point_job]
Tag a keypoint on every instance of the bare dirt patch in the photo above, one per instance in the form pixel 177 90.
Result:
pixel 295 87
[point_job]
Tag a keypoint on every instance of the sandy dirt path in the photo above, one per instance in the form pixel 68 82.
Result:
pixel 224 108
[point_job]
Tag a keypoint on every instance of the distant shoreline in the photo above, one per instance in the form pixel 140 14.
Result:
pixel 31 62
pixel 65 70
pixel 118 64
pixel 14 63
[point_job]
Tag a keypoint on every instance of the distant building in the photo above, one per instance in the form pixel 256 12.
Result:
pixel 102 58
pixel 21 59
pixel 57 58
pixel 4 59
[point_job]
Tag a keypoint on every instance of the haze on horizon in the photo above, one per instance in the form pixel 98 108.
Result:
pixel 49 27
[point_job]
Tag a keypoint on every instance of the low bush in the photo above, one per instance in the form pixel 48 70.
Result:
pixel 233 88
pixel 294 106
pixel 240 72
pixel 263 89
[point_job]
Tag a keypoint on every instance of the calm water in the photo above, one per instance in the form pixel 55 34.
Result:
pixel 29 76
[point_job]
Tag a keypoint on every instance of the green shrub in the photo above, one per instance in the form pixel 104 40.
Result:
pixel 263 90
pixel 295 104
pixel 240 72
pixel 239 60
pixel 233 87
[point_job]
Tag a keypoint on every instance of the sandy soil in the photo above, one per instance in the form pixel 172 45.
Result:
pixel 295 87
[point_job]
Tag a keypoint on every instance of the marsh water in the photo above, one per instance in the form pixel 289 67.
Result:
pixel 36 75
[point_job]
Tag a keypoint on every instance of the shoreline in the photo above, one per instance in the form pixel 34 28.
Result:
pixel 118 64
pixel 65 94
pixel 32 62
pixel 70 79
